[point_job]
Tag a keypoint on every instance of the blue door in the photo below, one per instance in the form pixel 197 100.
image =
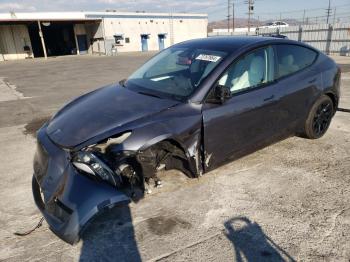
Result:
pixel 144 43
pixel 161 41
pixel 82 44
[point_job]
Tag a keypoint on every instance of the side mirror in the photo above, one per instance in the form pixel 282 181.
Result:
pixel 122 82
pixel 222 93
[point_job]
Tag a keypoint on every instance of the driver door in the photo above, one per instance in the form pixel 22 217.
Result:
pixel 249 117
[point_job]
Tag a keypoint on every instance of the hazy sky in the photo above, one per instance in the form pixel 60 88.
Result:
pixel 216 9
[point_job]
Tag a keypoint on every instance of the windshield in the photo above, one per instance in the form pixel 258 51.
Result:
pixel 175 72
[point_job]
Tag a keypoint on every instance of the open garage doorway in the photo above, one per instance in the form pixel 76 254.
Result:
pixel 59 38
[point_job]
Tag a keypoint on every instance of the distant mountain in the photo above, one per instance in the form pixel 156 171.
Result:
pixel 242 22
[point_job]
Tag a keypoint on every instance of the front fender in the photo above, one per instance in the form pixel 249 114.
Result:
pixel 185 134
pixel 155 140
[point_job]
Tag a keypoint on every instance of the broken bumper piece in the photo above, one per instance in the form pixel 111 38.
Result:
pixel 68 200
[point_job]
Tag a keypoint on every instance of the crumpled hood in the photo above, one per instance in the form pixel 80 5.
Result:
pixel 100 111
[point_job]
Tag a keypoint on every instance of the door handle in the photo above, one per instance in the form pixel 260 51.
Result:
pixel 269 98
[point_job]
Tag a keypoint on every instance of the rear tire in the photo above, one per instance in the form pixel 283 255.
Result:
pixel 319 118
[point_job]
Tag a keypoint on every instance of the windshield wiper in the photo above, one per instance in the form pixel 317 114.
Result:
pixel 148 94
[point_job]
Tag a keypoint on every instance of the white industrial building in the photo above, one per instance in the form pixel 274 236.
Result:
pixel 28 35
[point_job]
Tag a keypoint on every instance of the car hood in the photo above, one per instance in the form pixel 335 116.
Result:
pixel 100 111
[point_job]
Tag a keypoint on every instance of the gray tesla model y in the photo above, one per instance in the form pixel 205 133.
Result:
pixel 192 107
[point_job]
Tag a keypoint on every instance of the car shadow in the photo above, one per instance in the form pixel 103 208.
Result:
pixel 110 237
pixel 250 243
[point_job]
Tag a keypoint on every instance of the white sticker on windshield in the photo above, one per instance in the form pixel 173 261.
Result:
pixel 210 58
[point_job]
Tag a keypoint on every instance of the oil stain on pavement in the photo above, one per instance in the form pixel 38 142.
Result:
pixel 34 125
pixel 162 225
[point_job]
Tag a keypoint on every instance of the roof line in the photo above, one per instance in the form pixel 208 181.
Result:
pixel 148 16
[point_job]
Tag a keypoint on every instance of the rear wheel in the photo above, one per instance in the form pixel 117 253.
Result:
pixel 319 118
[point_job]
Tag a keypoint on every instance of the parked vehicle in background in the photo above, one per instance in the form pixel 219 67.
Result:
pixel 275 24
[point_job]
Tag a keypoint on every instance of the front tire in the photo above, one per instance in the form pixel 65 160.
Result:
pixel 319 118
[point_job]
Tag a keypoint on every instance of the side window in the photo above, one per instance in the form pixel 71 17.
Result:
pixel 292 58
pixel 250 71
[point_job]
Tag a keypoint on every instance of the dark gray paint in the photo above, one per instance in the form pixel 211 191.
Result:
pixel 209 134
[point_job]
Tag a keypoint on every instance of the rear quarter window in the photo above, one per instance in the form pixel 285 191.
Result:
pixel 293 58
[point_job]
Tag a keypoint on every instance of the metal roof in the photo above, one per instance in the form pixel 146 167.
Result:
pixel 89 16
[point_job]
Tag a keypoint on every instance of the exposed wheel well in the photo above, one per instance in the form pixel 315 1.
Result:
pixel 178 150
pixel 167 152
pixel 175 143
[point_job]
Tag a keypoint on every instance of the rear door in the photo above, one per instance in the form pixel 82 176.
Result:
pixel 249 117
pixel 297 83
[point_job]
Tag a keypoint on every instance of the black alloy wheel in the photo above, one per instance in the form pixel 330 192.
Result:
pixel 322 118
pixel 319 118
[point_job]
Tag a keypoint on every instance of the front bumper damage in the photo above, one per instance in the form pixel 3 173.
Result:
pixel 68 200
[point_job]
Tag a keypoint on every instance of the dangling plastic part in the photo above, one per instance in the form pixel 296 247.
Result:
pixel 30 231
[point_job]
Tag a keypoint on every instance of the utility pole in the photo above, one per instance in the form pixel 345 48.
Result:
pixel 328 10
pixel 304 17
pixel 228 15
pixel 250 11
pixel 233 17
pixel 171 29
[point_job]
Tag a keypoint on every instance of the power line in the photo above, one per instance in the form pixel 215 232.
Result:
pixel 300 10
pixel 203 8
pixel 325 16
pixel 218 10
pixel 221 8
pixel 304 14
pixel 211 6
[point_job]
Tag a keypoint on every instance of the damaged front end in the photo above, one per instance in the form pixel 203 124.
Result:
pixel 71 187
pixel 67 192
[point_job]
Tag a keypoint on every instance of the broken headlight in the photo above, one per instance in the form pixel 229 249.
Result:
pixel 89 163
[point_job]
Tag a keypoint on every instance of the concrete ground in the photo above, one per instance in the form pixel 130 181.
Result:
pixel 289 201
